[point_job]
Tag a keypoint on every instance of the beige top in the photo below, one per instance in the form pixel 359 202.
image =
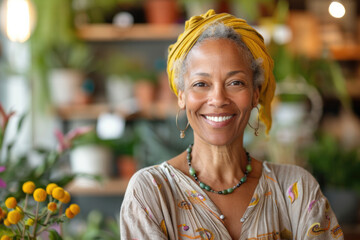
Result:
pixel 161 202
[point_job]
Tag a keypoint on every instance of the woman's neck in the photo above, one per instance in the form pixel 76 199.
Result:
pixel 221 164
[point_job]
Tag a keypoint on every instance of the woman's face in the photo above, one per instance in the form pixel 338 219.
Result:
pixel 219 92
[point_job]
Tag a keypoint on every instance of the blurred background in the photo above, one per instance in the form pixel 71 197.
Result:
pixel 88 78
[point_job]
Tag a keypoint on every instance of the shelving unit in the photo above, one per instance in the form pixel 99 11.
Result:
pixel 109 32
pixel 345 52
pixel 115 186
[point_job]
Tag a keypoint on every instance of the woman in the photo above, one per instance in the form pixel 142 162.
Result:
pixel 220 70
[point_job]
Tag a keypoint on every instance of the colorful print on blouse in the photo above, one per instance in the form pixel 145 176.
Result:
pixel 293 193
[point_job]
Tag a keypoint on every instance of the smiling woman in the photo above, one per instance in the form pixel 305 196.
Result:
pixel 220 70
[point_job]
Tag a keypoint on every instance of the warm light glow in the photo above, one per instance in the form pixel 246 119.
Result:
pixel 336 9
pixel 17 19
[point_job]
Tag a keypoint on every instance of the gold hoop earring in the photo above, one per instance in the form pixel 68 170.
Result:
pixel 182 131
pixel 256 129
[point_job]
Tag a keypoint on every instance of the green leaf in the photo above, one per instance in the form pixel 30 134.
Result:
pixel 54 235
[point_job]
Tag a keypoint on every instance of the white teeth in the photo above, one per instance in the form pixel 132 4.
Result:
pixel 218 119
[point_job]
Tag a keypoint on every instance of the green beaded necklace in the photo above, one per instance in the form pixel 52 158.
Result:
pixel 207 187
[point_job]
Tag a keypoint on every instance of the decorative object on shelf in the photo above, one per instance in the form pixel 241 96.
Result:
pixel 90 156
pixel 90 160
pixel 24 220
pixel 65 86
pixel 129 85
pixel 127 166
pixel 161 11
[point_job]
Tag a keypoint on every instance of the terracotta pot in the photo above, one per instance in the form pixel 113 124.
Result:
pixel 126 166
pixel 161 11
pixel 144 92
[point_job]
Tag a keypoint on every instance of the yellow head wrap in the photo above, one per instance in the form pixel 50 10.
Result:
pixel 253 40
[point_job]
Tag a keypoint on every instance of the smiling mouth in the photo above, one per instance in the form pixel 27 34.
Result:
pixel 218 118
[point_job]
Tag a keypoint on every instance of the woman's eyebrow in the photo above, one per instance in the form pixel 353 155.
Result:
pixel 229 74
pixel 232 73
pixel 202 74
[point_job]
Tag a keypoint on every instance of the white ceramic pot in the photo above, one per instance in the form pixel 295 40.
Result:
pixel 91 159
pixel 120 93
pixel 64 85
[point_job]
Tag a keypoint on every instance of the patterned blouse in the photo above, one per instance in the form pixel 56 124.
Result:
pixel 161 202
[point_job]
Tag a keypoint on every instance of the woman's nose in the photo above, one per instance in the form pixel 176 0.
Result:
pixel 218 97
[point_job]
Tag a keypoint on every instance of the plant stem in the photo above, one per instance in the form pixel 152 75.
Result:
pixel 25 206
pixel 60 213
pixel 36 219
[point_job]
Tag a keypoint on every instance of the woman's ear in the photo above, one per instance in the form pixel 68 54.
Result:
pixel 181 99
pixel 256 96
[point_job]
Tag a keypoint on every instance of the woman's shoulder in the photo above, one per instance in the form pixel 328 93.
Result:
pixel 147 176
pixel 286 174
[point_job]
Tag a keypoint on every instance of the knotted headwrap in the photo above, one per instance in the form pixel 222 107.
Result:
pixel 253 40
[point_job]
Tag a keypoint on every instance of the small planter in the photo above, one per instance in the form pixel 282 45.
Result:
pixel 65 85
pixel 144 92
pixel 127 166
pixel 119 92
pixel 161 11
pixel 90 160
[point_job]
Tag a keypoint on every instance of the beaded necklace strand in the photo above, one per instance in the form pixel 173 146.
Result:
pixel 192 172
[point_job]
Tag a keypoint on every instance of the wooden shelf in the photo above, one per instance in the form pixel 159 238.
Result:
pixel 108 187
pixel 345 52
pixel 86 111
pixel 109 32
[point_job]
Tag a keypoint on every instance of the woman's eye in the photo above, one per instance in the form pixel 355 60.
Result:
pixel 199 84
pixel 236 83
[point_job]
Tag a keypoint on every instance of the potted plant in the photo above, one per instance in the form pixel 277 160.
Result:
pixel 336 168
pixel 130 86
pixel 57 53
